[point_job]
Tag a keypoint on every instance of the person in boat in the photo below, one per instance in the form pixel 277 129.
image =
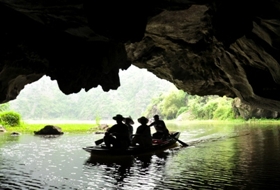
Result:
pixel 143 135
pixel 117 136
pixel 161 130
pixel 129 122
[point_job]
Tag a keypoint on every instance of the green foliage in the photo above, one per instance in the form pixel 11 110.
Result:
pixel 178 103
pixel 10 118
pixel 172 103
pixel 137 89
pixel 210 107
pixel 182 110
pixel 195 107
pixel 224 110
pixel 154 107
pixel 223 113
pixel 65 127
pixel 168 104
pixel 4 107
pixel 140 93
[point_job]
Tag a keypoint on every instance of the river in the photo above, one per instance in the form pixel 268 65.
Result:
pixel 244 156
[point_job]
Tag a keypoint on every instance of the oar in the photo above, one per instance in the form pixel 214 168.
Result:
pixel 181 142
pixel 98 142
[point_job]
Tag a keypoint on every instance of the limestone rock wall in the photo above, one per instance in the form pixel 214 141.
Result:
pixel 219 48
pixel 246 111
pixel 204 47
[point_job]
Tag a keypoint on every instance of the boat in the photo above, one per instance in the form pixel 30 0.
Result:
pixel 157 146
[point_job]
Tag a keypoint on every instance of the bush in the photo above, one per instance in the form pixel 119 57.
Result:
pixel 223 113
pixel 210 107
pixel 10 118
pixel 182 110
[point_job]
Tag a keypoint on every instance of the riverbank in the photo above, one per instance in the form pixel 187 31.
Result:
pixel 86 126
pixel 232 121
pixel 65 127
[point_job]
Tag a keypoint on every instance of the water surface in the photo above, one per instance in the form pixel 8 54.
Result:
pixel 219 157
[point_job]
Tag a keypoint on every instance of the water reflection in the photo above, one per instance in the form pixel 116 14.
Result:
pixel 225 157
pixel 248 160
pixel 127 172
pixel 48 136
pixel 6 137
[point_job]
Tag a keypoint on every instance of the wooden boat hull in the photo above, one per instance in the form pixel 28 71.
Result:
pixel 134 150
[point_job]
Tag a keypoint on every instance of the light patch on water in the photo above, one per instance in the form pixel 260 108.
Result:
pixel 217 158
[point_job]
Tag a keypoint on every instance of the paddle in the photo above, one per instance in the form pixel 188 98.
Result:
pixel 181 142
pixel 98 142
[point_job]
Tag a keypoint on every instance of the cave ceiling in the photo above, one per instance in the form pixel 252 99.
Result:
pixel 227 48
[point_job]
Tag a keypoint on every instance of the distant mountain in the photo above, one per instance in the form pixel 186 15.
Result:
pixel 44 100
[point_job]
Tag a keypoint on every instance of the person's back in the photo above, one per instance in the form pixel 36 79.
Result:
pixel 160 126
pixel 120 130
pixel 118 134
pixel 143 135
pixel 161 130
pixel 143 130
pixel 129 122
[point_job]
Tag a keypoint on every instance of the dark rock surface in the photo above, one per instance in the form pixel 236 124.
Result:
pixel 204 47
pixel 247 111
pixel 49 130
pixel 15 133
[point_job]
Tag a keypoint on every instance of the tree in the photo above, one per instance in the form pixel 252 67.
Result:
pixel 138 87
pixel 224 109
pixel 172 103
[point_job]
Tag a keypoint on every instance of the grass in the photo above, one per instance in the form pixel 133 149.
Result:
pixel 65 127
pixel 197 121
pixel 90 127
pixel 253 120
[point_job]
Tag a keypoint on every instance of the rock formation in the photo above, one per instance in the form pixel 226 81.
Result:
pixel 49 130
pixel 15 133
pixel 204 47
pixel 246 111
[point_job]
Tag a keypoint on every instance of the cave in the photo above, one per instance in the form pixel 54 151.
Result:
pixel 226 48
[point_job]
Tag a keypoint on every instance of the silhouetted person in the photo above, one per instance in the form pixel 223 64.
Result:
pixel 161 130
pixel 118 135
pixel 129 122
pixel 143 135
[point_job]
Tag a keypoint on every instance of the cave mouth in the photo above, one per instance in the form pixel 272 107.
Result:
pixel 193 44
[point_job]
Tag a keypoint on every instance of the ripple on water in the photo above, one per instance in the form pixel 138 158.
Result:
pixel 239 162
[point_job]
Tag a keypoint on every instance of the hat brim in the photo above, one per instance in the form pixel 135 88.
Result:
pixel 118 117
